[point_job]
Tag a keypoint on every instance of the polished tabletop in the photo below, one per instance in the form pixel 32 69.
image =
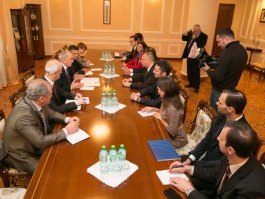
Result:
pixel 62 169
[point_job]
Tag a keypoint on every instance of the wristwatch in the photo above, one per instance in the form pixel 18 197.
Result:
pixel 189 190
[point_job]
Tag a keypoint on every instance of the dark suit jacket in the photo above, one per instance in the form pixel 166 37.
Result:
pixel 75 67
pixel 247 182
pixel 57 102
pixel 131 55
pixel 24 136
pixel 210 144
pixel 143 80
pixel 200 40
pixel 63 81
pixel 151 91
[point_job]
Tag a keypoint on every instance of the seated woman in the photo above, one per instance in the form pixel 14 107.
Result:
pixel 171 111
pixel 82 48
pixel 136 62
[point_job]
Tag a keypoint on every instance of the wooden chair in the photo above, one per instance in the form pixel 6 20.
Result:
pixel 200 126
pixel 260 67
pixel 15 97
pixel 184 97
pixel 10 176
pixel 28 77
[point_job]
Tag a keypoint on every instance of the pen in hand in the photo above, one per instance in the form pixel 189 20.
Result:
pixel 179 166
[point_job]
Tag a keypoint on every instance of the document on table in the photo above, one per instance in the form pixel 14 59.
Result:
pixel 87 88
pixel 78 136
pixel 146 114
pixel 96 69
pixel 90 82
pixel 109 76
pixel 164 176
pixel 89 73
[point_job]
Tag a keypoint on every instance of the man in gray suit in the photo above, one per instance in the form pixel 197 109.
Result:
pixel 27 132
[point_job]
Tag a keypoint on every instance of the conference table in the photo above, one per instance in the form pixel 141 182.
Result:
pixel 62 169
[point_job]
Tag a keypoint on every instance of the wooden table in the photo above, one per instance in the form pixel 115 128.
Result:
pixel 252 50
pixel 62 170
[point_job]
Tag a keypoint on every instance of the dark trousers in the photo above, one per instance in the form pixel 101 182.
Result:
pixel 193 71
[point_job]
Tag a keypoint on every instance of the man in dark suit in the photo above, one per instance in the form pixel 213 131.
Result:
pixel 193 69
pixel 66 80
pixel 162 69
pixel 239 174
pixel 145 78
pixel 133 43
pixel 27 132
pixel 53 69
pixel 231 105
pixel 76 69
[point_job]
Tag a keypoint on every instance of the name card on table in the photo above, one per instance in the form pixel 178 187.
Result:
pixel 78 136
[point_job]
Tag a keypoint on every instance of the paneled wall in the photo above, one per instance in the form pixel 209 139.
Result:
pixel 161 21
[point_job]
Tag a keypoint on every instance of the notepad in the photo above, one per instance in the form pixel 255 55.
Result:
pixel 145 114
pixel 163 150
pixel 96 69
pixel 89 73
pixel 164 176
pixel 78 136
pixel 109 76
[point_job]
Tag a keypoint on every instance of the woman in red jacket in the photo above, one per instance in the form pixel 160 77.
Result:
pixel 136 62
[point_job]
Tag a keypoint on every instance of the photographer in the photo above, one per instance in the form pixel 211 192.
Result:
pixel 231 65
pixel 193 70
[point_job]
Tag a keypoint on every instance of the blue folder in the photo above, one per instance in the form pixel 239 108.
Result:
pixel 163 150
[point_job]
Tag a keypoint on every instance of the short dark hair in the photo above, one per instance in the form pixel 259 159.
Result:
pixel 139 36
pixel 143 44
pixel 72 47
pixel 164 66
pixel 241 137
pixel 134 37
pixel 236 99
pixel 226 32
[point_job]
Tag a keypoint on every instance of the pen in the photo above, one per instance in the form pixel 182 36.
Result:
pixel 179 166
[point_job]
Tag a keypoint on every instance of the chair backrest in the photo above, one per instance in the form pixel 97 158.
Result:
pixel 28 77
pixel 262 159
pixel 202 121
pixel 184 97
pixel 15 97
pixel 2 123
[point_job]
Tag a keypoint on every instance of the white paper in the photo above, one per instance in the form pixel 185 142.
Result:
pixel 146 114
pixel 106 59
pixel 111 110
pixel 87 88
pixel 109 179
pixel 109 76
pixel 116 54
pixel 78 136
pixel 91 64
pixel 86 100
pixel 89 73
pixel 96 69
pixel 69 101
pixel 90 82
pixel 164 176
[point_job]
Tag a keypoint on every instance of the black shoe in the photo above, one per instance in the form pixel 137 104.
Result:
pixel 188 86
pixel 196 90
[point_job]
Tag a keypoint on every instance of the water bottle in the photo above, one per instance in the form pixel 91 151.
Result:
pixel 113 159
pixel 103 100
pixel 112 70
pixel 115 102
pixel 122 155
pixel 108 100
pixel 103 160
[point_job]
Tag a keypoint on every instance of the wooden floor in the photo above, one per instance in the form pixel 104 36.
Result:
pixel 254 90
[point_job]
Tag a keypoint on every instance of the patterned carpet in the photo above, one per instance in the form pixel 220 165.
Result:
pixel 254 90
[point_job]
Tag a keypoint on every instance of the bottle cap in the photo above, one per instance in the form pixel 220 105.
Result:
pixel 109 91
pixel 103 92
pixel 104 147
pixel 112 146
pixel 114 91
pixel 122 146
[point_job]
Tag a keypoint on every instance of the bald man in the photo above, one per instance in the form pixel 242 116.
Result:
pixel 27 132
pixel 53 69
pixel 193 69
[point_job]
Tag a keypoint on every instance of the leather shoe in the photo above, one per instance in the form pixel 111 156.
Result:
pixel 196 90
pixel 188 86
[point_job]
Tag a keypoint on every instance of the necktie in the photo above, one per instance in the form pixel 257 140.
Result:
pixel 54 91
pixel 227 175
pixel 68 75
pixel 44 122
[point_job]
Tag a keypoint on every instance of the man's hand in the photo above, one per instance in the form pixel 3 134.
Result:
pixel 173 167
pixel 157 115
pixel 80 101
pixel 181 183
pixel 187 162
pixel 127 71
pixel 206 67
pixel 126 83
pixel 74 119
pixel 135 96
pixel 148 109
pixel 77 96
pixel 72 127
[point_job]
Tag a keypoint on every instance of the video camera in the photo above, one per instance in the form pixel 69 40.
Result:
pixel 204 57
pixel 190 33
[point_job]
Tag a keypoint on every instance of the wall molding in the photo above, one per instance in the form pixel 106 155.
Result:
pixel 181 18
pixel 161 22
pixel 169 47
pixel 70 28
pixel 130 30
pixel 242 24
